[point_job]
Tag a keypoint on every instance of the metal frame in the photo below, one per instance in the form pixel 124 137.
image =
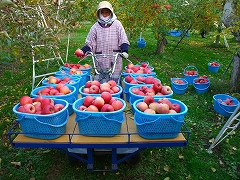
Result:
pixel 232 124
pixel 90 147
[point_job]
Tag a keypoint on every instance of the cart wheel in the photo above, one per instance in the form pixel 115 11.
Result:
pixel 134 159
pixel 74 161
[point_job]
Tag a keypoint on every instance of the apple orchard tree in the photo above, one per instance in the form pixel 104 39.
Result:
pixel 34 22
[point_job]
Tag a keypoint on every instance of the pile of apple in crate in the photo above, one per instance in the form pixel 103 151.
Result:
pixel 100 108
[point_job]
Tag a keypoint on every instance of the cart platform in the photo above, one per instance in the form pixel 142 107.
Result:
pixel 72 138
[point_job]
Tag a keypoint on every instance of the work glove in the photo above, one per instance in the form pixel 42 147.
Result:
pixel 125 55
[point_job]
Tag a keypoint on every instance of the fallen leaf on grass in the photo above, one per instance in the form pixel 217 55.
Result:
pixel 180 156
pixel 166 168
pixel 166 178
pixel 117 173
pixel 213 169
pixel 211 140
pixel 16 163
pixel 158 172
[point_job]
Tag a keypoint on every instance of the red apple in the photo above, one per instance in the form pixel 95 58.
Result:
pixel 144 64
pixel 142 106
pixel 171 111
pixel 149 111
pixel 65 90
pixel 45 91
pixel 88 100
pixel 133 82
pixel 135 90
pixel 106 96
pixel 88 84
pixel 112 100
pixel 166 90
pixel 58 107
pixel 129 71
pixel 37 99
pixel 48 109
pixel 140 71
pixel 79 53
pixel 21 109
pixel 128 79
pixel 149 80
pixel 157 87
pixel 95 82
pixel 82 108
pixel 130 66
pixel 92 108
pixel 140 93
pixel 29 108
pixel 105 84
pixel 117 105
pixel 105 88
pixel 166 101
pixel 94 89
pixel 37 106
pixel 98 102
pixel 53 92
pixel 86 90
pixel 162 108
pixel 115 89
pixel 46 101
pixel 107 108
pixel 25 100
pixel 52 80
pixel 136 68
pixel 148 100
pixel 140 78
pixel 176 107
pixel 59 85
pixel 168 6
pixel 112 83
pixel 153 106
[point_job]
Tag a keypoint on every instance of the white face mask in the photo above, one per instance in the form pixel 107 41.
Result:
pixel 104 18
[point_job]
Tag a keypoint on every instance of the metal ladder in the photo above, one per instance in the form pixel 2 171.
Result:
pixel 55 53
pixel 231 125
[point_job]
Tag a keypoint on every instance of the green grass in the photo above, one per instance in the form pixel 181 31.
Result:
pixel 191 162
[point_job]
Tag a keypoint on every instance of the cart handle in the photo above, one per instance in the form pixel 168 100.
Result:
pixel 94 57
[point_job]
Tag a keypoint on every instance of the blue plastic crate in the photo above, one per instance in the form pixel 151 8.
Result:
pixel 75 83
pixel 99 123
pixel 179 88
pixel 225 110
pixel 128 85
pixel 70 98
pixel 49 126
pixel 83 77
pixel 134 97
pixel 124 74
pixel 201 87
pixel 190 78
pixel 213 69
pixel 159 126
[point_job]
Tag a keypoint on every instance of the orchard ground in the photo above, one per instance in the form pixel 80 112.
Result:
pixel 191 162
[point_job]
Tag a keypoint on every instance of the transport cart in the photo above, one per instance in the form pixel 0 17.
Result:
pixel 72 138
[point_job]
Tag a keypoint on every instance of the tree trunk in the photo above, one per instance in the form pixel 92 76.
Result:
pixel 235 75
pixel 229 16
pixel 161 44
